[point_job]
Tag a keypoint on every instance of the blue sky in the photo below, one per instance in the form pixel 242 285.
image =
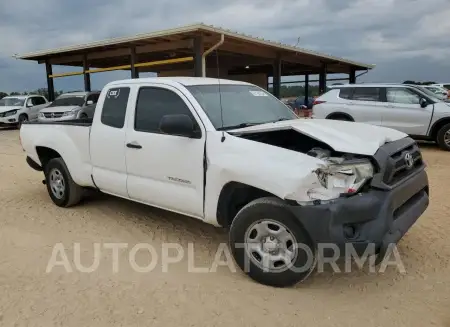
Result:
pixel 406 39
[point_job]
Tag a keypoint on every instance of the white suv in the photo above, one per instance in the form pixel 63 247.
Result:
pixel 408 108
pixel 14 110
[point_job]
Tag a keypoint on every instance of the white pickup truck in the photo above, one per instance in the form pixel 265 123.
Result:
pixel 232 155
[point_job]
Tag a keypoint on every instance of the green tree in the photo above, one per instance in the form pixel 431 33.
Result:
pixel 3 94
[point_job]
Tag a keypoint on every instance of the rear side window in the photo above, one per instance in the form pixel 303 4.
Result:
pixel 154 103
pixel 115 107
pixel 447 86
pixel 367 94
pixel 346 93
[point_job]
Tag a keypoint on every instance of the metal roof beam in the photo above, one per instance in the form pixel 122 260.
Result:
pixel 185 44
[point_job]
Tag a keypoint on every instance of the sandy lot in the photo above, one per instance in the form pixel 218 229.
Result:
pixel 30 226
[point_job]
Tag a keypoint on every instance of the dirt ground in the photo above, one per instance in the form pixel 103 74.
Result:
pixel 30 226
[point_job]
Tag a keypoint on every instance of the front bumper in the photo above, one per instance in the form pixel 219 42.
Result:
pixel 377 218
pixel 8 121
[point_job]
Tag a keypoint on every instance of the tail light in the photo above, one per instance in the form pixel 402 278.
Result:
pixel 318 102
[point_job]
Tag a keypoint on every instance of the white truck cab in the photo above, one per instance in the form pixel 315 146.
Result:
pixel 16 109
pixel 232 155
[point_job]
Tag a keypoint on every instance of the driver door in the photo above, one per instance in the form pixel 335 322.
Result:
pixel 164 170
pixel 402 111
pixel 33 106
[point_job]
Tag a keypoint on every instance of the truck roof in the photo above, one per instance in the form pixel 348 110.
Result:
pixel 186 81
pixel 17 96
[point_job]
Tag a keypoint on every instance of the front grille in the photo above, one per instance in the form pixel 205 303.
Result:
pixel 53 114
pixel 401 169
pixel 393 165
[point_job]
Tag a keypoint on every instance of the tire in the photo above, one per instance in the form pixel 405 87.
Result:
pixel 22 118
pixel 443 137
pixel 340 117
pixel 69 193
pixel 262 213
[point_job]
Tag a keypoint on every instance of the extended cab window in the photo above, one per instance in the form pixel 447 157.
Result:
pixel 152 104
pixel 366 94
pixel 115 107
pixel 401 95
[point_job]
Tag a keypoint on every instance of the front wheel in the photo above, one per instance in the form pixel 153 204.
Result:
pixel 22 118
pixel 443 137
pixel 270 245
pixel 63 191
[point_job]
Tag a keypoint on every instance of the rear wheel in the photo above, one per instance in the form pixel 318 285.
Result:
pixel 270 245
pixel 63 191
pixel 443 137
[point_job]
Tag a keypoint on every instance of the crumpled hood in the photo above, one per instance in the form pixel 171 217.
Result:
pixel 342 136
pixel 59 109
pixel 9 108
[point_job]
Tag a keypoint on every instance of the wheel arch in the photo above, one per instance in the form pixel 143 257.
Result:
pixel 46 154
pixel 233 197
pixel 437 126
pixel 339 114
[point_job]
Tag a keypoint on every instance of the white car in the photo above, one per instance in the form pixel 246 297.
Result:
pixel 237 157
pixel 70 106
pixel 443 85
pixel 16 109
pixel 411 109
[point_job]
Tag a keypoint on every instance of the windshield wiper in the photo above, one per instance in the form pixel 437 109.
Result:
pixel 243 125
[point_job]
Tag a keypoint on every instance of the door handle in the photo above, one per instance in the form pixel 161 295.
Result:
pixel 134 145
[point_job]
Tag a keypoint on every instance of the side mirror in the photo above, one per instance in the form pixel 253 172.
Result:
pixel 89 102
pixel 423 103
pixel 181 125
pixel 29 104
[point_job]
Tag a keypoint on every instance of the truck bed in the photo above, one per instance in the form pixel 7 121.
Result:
pixel 70 139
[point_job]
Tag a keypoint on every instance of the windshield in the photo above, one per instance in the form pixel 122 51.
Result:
pixel 12 102
pixel 68 101
pixel 242 105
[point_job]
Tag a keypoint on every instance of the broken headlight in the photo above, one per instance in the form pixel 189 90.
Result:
pixel 341 178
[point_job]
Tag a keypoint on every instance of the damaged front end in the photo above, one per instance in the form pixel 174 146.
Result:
pixel 337 177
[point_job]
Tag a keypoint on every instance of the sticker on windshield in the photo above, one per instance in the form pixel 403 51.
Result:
pixel 258 93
